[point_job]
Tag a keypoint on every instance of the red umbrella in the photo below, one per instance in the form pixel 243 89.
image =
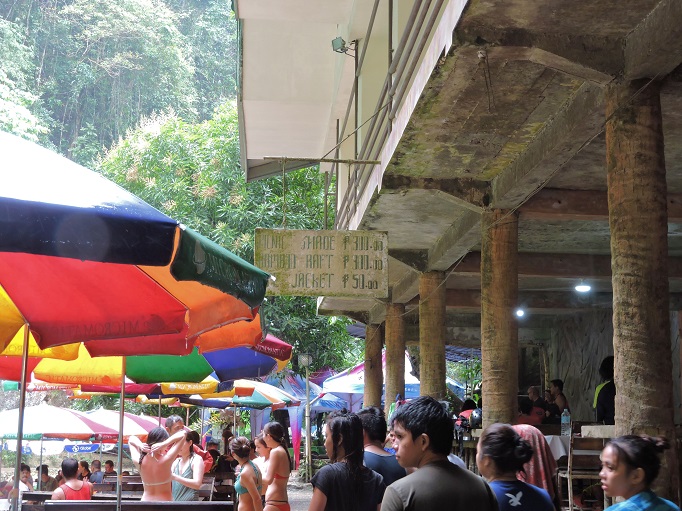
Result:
pixel 82 260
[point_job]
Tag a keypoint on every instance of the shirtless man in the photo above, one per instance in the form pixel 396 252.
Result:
pixel 557 389
pixel 154 460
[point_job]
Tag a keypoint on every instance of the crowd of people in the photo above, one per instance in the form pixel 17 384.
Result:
pixel 73 481
pixel 405 464
pixel 547 409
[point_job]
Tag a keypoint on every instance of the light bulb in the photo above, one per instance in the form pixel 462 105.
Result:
pixel 520 313
pixel 582 287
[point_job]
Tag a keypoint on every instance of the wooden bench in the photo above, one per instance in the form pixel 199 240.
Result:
pixel 124 479
pixel 132 486
pixel 92 505
pixel 207 487
pixel 224 487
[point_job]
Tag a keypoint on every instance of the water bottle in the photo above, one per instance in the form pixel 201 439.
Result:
pixel 566 423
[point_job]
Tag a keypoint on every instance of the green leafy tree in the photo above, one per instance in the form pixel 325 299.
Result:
pixel 468 372
pixel 20 110
pixel 191 172
pixel 211 31
pixel 101 65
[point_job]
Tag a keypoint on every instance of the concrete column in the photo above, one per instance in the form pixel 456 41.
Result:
pixel 638 221
pixel 374 377
pixel 395 353
pixel 499 330
pixel 432 334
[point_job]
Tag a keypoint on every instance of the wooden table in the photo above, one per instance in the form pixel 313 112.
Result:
pixel 42 496
pixel 36 496
pixel 125 495
pixel 559 445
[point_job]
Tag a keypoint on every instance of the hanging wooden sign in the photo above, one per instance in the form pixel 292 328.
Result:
pixel 324 263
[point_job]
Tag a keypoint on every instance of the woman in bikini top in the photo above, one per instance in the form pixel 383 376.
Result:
pixel 279 468
pixel 155 460
pixel 262 462
pixel 248 483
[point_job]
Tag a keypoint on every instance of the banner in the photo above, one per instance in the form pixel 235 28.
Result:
pixel 81 448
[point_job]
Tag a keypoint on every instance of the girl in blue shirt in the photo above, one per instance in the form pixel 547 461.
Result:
pixel 629 465
pixel 501 453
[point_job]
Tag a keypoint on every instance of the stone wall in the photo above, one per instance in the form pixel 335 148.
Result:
pixel 578 345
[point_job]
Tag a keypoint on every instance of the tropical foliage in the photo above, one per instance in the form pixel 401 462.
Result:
pixel 145 90
pixel 98 66
pixel 19 108
pixel 191 172
pixel 467 372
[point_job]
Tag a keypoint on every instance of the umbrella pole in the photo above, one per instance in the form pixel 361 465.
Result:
pixel 120 435
pixel 40 465
pixel 22 405
pixel 159 411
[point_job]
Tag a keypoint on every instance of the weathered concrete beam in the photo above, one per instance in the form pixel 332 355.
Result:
pixel 469 300
pixel 553 204
pixel 654 47
pixel 559 265
pixel 406 288
pixel 376 315
pixel 414 258
pixel 560 137
pixel 501 24
pixel 469 193
pixel 455 241
pixel 470 337
pixel 557 62
pixel 545 265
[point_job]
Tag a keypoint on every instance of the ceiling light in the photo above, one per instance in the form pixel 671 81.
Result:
pixel 581 287
pixel 520 313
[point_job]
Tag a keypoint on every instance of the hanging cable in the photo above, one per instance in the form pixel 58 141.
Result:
pixel 485 67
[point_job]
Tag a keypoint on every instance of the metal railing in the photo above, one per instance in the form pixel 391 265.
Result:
pixel 400 72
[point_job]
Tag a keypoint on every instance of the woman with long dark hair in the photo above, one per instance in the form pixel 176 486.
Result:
pixel 279 468
pixel 84 471
pixel 249 481
pixel 345 484
pixel 187 472
pixel 262 461
pixel 154 459
pixel 629 465
pixel 501 453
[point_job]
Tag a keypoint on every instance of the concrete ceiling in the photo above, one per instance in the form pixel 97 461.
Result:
pixel 531 139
